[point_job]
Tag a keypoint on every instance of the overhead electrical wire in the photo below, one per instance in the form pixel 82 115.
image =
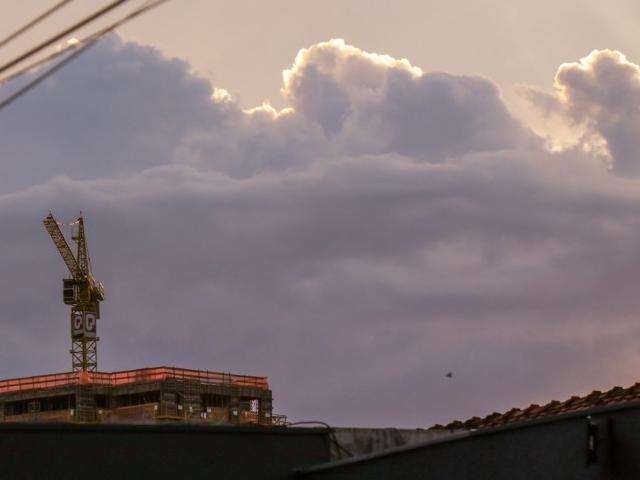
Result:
pixel 76 50
pixel 60 35
pixel 34 22
pixel 89 38
pixel 41 78
pixel 47 59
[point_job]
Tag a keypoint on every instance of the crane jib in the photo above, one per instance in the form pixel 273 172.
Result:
pixel 61 244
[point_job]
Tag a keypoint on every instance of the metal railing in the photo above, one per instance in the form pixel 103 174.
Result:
pixel 131 376
pixel 38 382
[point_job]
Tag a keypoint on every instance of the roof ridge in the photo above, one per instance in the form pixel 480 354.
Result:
pixel 615 395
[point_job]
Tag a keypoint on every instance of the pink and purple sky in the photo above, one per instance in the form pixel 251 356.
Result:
pixel 451 188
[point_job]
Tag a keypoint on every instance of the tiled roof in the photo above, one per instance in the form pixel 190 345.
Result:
pixel 615 396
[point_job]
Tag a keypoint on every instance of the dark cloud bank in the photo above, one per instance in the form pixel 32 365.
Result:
pixel 390 226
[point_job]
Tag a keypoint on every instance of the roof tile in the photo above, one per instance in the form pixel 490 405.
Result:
pixel 616 395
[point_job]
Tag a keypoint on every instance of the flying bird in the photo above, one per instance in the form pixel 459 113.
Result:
pixel 449 375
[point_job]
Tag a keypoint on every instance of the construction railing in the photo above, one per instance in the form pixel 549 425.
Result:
pixel 131 376
pixel 41 381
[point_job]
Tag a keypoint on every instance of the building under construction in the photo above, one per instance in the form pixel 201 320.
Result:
pixel 146 395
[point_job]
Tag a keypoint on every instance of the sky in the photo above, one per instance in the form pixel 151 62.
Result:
pixel 352 199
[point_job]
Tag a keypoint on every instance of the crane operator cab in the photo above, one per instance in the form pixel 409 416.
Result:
pixel 69 291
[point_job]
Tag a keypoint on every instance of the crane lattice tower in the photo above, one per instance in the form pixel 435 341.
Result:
pixel 82 292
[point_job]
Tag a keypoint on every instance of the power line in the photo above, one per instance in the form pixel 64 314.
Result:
pixel 89 38
pixel 80 48
pixel 64 33
pixel 42 61
pixel 41 78
pixel 34 22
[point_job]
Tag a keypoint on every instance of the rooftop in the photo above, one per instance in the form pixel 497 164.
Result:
pixel 617 396
pixel 130 376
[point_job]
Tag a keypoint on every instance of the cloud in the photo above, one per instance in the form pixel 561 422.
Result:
pixel 110 114
pixel 388 226
pixel 372 104
pixel 600 93
pixel 344 101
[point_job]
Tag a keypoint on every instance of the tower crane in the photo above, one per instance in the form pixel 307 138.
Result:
pixel 82 292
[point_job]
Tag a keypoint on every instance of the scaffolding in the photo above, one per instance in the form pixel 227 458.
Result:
pixel 85 410
pixel 191 399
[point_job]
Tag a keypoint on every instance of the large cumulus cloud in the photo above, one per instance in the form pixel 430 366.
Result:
pixel 369 103
pixel 601 94
pixel 389 226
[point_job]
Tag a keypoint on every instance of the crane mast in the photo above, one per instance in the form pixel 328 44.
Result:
pixel 82 292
